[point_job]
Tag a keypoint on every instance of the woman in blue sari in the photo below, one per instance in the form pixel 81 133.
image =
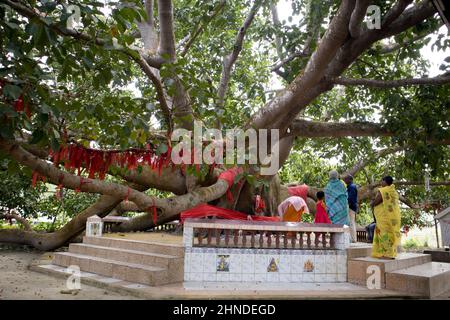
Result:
pixel 336 200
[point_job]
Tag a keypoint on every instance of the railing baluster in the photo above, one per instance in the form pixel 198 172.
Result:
pixel 285 239
pixel 200 236
pixel 301 240
pixel 316 239
pixel 244 238
pixel 293 239
pixel 261 239
pixel 236 237
pixel 269 239
pixel 218 237
pixel 252 239
pixel 227 237
pixel 277 239
pixel 332 240
pixel 308 239
pixel 324 240
pixel 209 236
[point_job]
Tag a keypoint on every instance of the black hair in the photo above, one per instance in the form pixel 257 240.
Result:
pixel 320 195
pixel 389 180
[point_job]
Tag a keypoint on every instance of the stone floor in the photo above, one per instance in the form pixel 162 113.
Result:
pixel 19 281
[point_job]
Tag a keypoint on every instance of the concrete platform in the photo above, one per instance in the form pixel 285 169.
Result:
pixel 190 291
pixel 430 279
pixel 359 250
pixel 439 255
pixel 174 249
pixel 357 267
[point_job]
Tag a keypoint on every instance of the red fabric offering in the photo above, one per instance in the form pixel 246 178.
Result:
pixel 205 210
pixel 299 191
pixel 321 213
pixel 229 176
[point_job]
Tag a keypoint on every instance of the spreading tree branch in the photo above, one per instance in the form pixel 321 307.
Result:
pixel 229 60
pixel 189 40
pixel 316 129
pixel 360 165
pixel 166 34
pixel 357 17
pixel 24 222
pixel 439 80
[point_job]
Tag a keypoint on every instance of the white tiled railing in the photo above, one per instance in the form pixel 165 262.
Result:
pixel 264 235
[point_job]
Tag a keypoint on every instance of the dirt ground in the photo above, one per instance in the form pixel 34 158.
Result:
pixel 19 283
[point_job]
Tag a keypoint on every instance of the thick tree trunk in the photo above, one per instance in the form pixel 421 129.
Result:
pixel 50 241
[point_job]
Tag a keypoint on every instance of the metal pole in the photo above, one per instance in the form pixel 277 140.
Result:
pixel 436 229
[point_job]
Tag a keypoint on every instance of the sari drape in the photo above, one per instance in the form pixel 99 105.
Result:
pixel 387 231
pixel 337 202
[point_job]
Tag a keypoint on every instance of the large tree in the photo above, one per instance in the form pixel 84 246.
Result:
pixel 122 76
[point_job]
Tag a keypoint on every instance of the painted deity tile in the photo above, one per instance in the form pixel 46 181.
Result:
pixel 273 265
pixel 223 263
pixel 308 265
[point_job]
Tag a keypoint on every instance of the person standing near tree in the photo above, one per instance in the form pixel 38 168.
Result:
pixel 387 214
pixel 352 194
pixel 336 199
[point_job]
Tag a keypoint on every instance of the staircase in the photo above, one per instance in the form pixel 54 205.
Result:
pixel 413 273
pixel 149 263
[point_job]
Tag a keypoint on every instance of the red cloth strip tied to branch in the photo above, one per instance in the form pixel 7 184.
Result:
pixel 229 176
pixel 152 209
pixel 205 210
pixel 98 162
pixel 260 205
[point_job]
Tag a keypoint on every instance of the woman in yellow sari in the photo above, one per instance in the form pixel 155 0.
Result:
pixel 387 214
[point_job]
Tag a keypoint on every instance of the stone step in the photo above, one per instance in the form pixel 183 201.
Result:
pixel 174 264
pixel 132 272
pixel 358 267
pixel 358 251
pixel 146 246
pixel 430 279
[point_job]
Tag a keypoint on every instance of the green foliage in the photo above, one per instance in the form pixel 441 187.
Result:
pixel 16 191
pixel 411 244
